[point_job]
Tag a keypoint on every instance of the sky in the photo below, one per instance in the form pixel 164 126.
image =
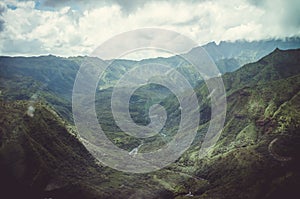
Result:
pixel 77 27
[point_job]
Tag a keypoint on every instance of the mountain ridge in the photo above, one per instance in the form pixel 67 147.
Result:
pixel 263 106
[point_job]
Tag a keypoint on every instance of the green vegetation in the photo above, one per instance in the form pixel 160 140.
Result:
pixel 255 157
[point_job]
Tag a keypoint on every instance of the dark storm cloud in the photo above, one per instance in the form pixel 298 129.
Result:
pixel 59 3
pixel 256 2
pixel 131 6
pixel 2 10
pixel 288 11
pixel 291 16
pixel 1 25
pixel 126 6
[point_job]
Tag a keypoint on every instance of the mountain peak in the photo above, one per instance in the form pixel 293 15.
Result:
pixel 277 49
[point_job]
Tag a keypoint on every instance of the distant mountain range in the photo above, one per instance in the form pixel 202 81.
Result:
pixel 245 52
pixel 228 56
pixel 256 156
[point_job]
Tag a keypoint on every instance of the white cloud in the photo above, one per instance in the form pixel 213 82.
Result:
pixel 67 31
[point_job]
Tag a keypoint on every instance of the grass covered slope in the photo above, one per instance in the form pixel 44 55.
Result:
pixel 257 153
pixel 255 157
pixel 39 156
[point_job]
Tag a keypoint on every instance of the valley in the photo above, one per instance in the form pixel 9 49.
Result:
pixel 256 156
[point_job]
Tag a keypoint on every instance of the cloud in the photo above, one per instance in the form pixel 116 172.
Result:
pixel 1 25
pixel 77 27
pixel 126 6
pixel 2 10
pixel 285 13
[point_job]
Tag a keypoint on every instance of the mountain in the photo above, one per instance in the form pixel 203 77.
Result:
pixel 41 155
pixel 55 73
pixel 228 57
pixel 243 52
pixel 58 73
pixel 256 155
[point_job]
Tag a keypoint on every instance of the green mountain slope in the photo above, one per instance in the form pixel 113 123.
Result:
pixel 38 155
pixel 55 73
pixel 255 157
pixel 58 74
pixel 41 157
